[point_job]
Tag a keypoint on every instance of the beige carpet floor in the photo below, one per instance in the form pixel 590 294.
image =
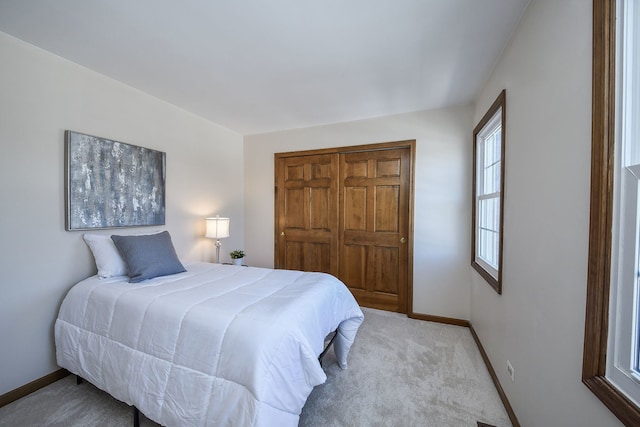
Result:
pixel 402 372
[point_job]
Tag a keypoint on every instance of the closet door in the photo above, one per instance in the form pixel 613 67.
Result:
pixel 347 211
pixel 307 213
pixel 374 226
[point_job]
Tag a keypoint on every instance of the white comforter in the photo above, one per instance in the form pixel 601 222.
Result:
pixel 217 345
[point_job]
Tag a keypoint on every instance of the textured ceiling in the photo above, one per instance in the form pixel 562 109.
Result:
pixel 257 66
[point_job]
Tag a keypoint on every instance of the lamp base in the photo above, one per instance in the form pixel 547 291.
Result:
pixel 218 244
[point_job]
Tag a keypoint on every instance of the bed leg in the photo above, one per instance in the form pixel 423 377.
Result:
pixel 136 417
pixel 78 380
pixel 335 333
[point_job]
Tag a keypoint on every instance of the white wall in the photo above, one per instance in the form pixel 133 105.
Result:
pixel 41 96
pixel 442 195
pixel 538 322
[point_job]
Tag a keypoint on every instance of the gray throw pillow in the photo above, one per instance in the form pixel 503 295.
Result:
pixel 148 256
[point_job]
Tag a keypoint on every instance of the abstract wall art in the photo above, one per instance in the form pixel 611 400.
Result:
pixel 112 184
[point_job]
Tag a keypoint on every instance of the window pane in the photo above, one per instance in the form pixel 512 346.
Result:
pixel 488 151
pixel 489 247
pixel 489 213
pixel 491 179
pixel 489 230
pixel 491 166
pixel 492 146
pixel 484 213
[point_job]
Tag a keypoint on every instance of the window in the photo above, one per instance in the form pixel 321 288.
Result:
pixel 488 188
pixel 612 347
pixel 622 363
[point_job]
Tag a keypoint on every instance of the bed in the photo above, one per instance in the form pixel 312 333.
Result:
pixel 213 345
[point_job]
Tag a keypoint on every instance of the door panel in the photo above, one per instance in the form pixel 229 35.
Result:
pixel 320 208
pixel 385 272
pixel 357 169
pixel 388 167
pixel 387 202
pixel 294 216
pixel 354 272
pixel 307 199
pixel 355 207
pixel 374 217
pixel 294 253
pixel 317 257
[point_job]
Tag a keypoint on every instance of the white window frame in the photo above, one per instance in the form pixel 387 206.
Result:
pixel 484 133
pixel 622 368
pixel 487 136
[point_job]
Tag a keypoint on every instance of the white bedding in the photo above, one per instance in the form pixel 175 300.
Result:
pixel 217 345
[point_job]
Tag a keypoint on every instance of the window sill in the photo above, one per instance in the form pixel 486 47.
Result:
pixel 492 281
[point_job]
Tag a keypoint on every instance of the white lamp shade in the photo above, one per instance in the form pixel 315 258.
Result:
pixel 217 228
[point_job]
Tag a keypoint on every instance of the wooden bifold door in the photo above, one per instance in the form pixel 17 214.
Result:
pixel 347 212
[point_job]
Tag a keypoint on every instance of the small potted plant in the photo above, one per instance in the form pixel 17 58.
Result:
pixel 237 256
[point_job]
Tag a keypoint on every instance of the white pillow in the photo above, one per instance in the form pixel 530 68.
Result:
pixel 107 256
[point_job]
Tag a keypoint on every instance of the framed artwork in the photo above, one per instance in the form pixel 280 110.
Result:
pixel 112 184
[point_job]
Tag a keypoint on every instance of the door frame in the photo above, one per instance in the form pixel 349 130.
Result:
pixel 411 145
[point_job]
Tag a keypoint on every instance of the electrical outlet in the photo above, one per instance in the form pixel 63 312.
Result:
pixel 511 371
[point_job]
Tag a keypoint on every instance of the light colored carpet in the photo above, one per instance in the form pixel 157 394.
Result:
pixel 402 372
